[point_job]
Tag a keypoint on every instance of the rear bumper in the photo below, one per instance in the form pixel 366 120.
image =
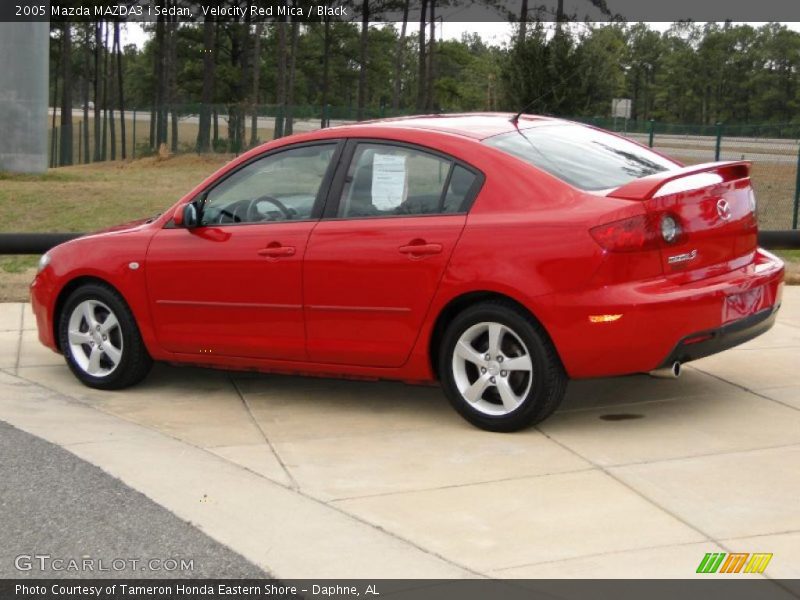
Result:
pixel 663 318
pixel 706 343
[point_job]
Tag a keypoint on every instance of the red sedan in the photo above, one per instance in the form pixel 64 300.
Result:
pixel 497 256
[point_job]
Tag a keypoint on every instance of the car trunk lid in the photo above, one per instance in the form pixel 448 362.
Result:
pixel 714 207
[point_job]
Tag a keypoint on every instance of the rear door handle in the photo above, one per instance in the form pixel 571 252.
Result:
pixel 420 249
pixel 277 251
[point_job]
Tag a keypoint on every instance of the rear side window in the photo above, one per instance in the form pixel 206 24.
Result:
pixel 461 182
pixel 387 180
pixel 581 156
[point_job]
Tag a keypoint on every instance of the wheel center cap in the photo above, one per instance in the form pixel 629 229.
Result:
pixel 493 368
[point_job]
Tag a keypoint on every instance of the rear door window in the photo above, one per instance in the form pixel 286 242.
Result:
pixel 385 180
pixel 584 157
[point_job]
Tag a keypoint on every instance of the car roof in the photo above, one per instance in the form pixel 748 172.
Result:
pixel 477 126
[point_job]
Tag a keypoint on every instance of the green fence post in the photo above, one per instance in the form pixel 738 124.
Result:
pixel 133 136
pixel 796 192
pixel 652 132
pixel 719 141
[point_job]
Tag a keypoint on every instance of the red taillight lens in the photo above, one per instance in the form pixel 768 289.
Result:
pixel 628 235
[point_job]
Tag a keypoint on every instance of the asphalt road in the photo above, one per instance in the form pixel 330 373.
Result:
pixel 57 505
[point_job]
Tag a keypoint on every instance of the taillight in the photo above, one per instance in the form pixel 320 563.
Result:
pixel 627 235
pixel 642 232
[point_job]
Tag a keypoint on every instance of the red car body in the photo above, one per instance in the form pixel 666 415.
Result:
pixel 341 297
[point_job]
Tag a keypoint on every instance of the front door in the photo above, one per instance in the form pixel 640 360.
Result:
pixel 372 268
pixel 233 286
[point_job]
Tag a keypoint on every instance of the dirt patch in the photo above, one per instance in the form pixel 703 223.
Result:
pixel 14 286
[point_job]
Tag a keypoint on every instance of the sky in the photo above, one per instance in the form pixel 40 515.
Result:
pixel 494 32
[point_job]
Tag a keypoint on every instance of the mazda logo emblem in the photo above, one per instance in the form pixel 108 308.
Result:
pixel 724 210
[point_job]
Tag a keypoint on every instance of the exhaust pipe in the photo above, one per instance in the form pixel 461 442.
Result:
pixel 671 372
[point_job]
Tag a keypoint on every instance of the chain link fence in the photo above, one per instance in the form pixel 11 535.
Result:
pixel 773 149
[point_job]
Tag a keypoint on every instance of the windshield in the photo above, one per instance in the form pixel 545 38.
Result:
pixel 584 157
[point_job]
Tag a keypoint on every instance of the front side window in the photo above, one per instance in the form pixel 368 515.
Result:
pixel 581 156
pixel 279 187
pixel 387 180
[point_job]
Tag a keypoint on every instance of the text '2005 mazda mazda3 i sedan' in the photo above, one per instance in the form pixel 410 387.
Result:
pixel 498 255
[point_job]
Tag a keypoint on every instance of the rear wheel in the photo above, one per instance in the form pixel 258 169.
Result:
pixel 499 369
pixel 100 340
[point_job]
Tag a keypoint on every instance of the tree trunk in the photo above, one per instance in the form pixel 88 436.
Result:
pixel 160 78
pixel 431 78
pixel 65 157
pixel 280 75
pixel 98 48
pixel 105 92
pixel 87 70
pixel 421 67
pixel 363 54
pixel 289 126
pixel 523 22
pixel 398 59
pixel 121 88
pixel 326 68
pixel 112 73
pixel 256 83
pixel 207 96
pixel 172 79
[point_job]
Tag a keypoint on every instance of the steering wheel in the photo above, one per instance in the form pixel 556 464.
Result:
pixel 233 216
pixel 253 214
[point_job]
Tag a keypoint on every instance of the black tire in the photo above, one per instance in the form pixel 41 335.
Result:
pixel 134 363
pixel 547 382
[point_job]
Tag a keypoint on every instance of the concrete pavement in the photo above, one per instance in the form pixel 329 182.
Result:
pixel 633 477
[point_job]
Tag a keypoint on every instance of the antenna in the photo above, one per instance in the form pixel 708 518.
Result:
pixel 516 117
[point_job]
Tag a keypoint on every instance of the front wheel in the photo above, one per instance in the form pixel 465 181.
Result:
pixel 499 369
pixel 100 340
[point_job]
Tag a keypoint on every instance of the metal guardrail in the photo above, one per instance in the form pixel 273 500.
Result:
pixel 39 243
pixel 33 243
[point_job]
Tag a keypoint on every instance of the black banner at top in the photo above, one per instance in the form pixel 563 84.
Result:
pixel 392 11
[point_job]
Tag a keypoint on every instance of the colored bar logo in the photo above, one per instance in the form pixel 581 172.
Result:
pixel 735 562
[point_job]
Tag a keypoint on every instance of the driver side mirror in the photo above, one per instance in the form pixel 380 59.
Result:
pixel 186 216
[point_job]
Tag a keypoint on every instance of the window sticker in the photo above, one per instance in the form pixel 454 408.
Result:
pixel 389 181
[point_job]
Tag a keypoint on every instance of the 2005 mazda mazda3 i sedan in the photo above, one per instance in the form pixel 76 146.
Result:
pixel 499 256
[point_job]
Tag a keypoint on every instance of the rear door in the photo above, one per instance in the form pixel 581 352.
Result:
pixel 374 262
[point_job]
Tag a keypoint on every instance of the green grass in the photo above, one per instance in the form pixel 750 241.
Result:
pixel 90 197
pixel 792 256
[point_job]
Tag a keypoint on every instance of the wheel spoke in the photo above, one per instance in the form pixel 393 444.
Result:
pixel 109 323
pixel 475 392
pixel 113 354
pixel 495 333
pixel 88 314
pixel 518 363
pixel 94 361
pixel 507 395
pixel 79 337
pixel 465 350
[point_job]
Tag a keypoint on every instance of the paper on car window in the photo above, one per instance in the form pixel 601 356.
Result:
pixel 388 181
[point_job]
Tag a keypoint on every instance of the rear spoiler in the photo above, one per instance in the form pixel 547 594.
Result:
pixel 645 188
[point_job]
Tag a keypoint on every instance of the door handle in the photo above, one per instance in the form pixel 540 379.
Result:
pixel 277 251
pixel 420 249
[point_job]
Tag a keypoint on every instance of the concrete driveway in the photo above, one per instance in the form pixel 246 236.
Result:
pixel 633 477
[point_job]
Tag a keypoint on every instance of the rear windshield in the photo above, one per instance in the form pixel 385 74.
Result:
pixel 583 157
